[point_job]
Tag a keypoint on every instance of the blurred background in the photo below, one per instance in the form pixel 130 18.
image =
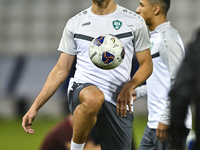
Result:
pixel 30 32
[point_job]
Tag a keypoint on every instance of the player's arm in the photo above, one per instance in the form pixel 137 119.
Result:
pixel 56 77
pixel 144 71
pixel 142 48
pixel 172 55
pixel 145 68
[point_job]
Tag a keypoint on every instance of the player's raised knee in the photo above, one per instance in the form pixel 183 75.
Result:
pixel 92 96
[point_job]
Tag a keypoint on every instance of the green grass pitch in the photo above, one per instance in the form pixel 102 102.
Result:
pixel 13 136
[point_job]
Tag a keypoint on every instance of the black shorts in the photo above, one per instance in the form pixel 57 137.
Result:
pixel 115 132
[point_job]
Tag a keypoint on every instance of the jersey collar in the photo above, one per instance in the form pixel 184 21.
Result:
pixel 104 15
pixel 160 27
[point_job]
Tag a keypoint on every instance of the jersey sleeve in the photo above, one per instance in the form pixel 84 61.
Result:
pixel 67 44
pixel 172 55
pixel 141 91
pixel 165 116
pixel 141 40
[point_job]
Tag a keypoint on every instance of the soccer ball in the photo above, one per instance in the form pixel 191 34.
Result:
pixel 106 51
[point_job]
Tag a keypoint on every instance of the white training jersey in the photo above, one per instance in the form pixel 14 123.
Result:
pixel 167 52
pixel 80 30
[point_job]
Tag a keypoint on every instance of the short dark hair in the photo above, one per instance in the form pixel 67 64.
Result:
pixel 165 4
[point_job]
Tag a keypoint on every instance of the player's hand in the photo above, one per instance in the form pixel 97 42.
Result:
pixel 134 95
pixel 162 132
pixel 28 120
pixel 124 99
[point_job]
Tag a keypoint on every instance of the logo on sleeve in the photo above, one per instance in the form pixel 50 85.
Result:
pixel 117 24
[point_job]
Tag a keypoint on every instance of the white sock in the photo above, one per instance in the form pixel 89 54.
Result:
pixel 75 146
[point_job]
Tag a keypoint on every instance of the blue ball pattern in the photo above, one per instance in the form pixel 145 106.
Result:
pixel 123 53
pixel 107 57
pixel 98 41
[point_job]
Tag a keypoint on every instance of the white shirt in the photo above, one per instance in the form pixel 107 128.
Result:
pixel 167 54
pixel 129 27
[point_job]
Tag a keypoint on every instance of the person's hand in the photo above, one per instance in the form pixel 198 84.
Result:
pixel 28 120
pixel 162 132
pixel 134 95
pixel 124 99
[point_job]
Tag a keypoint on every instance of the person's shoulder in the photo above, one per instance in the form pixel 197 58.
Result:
pixel 129 13
pixel 169 33
pixel 171 40
pixel 170 37
pixel 78 16
pixel 132 17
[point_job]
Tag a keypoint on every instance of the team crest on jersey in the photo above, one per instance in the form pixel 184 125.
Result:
pixel 152 44
pixel 117 24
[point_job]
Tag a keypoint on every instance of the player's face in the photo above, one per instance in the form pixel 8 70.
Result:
pixel 145 10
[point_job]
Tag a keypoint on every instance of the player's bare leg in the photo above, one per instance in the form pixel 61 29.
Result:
pixel 85 115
